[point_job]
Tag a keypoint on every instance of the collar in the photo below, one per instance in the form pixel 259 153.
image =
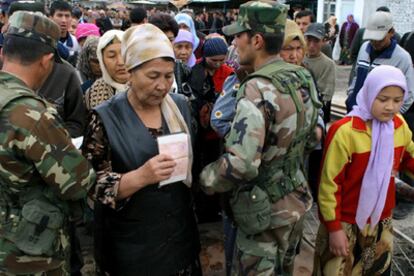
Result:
pixel 268 61
pixel 5 76
pixel 387 53
pixel 315 58
pixel 67 40
pixel 360 125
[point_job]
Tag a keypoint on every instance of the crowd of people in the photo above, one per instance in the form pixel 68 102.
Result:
pixel 88 96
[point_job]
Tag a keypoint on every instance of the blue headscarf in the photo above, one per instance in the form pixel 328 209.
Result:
pixel 183 18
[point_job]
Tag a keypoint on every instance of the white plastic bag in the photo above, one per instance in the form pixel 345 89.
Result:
pixel 336 52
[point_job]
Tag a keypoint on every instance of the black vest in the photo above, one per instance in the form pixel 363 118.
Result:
pixel 155 232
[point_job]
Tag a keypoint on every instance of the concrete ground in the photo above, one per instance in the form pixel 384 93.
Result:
pixel 341 84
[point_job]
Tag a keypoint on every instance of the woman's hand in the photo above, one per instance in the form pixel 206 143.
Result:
pixel 157 169
pixel 338 243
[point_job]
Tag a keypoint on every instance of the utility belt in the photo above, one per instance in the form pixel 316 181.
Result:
pixel 251 202
pixel 35 229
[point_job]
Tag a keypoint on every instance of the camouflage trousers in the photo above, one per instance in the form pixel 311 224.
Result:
pixel 370 253
pixel 13 262
pixel 271 252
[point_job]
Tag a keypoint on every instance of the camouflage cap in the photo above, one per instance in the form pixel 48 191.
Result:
pixel 35 26
pixel 262 16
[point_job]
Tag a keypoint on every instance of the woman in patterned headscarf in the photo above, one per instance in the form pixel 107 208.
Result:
pixel 146 227
pixel 88 63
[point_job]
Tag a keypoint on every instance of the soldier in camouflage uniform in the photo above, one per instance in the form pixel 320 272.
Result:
pixel 274 125
pixel 41 172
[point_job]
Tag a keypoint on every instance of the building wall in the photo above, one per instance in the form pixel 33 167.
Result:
pixel 402 11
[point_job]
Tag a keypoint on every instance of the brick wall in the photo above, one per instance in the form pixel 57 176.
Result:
pixel 402 11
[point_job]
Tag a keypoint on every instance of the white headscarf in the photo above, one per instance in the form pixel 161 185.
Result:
pixel 103 42
pixel 183 18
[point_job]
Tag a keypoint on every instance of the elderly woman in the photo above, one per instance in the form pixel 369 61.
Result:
pixel 186 22
pixel 183 47
pixel 114 73
pixel 294 44
pixel 88 63
pixel 147 229
pixel 183 50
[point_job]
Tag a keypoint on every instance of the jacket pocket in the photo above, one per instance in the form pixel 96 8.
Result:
pixel 38 232
pixel 251 210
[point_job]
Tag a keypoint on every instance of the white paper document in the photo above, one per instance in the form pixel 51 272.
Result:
pixel 176 146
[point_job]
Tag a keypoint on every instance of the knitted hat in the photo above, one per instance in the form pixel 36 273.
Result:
pixel 214 47
pixel 143 43
pixel 86 29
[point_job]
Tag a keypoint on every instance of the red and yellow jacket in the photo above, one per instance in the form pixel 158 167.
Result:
pixel 346 155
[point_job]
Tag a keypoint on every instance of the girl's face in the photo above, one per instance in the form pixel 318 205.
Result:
pixel 73 26
pixel 387 103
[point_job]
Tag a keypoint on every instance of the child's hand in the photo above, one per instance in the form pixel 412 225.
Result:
pixel 338 243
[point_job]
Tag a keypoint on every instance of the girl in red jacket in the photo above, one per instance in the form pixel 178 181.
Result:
pixel 356 195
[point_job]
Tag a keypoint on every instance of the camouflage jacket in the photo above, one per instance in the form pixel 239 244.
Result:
pixel 253 140
pixel 36 150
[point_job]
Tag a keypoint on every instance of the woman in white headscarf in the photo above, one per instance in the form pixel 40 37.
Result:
pixel 145 228
pixel 114 74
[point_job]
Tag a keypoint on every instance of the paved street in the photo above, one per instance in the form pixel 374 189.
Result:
pixel 341 85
